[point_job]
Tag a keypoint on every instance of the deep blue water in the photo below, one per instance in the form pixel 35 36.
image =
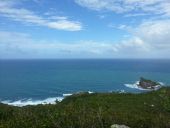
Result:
pixel 39 79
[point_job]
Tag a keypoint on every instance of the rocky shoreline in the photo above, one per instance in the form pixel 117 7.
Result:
pixel 148 84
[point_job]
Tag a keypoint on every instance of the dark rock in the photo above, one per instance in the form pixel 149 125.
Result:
pixel 148 84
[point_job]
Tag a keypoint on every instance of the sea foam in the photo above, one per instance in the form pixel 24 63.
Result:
pixel 25 102
pixel 21 103
pixel 67 94
pixel 135 86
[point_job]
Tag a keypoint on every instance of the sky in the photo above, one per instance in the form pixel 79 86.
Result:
pixel 32 29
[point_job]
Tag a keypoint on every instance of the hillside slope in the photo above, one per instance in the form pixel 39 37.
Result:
pixel 98 110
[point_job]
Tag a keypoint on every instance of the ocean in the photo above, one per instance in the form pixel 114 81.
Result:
pixel 31 82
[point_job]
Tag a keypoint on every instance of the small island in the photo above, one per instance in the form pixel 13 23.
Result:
pixel 148 84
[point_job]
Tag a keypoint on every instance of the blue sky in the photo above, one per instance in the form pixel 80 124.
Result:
pixel 84 29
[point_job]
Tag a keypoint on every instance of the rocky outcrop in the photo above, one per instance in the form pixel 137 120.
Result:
pixel 148 84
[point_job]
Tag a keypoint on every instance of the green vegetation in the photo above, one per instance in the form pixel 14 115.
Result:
pixel 149 81
pixel 98 110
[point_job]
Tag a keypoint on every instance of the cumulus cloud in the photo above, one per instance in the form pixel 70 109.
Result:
pixel 151 36
pixel 156 33
pixel 8 9
pixel 148 40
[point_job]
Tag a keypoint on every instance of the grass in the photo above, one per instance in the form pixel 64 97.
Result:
pixel 98 110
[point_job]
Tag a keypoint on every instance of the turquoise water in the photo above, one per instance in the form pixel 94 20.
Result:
pixel 41 79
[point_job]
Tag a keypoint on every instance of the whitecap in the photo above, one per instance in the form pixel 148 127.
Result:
pixel 67 94
pixel 161 83
pixel 90 92
pixel 135 86
pixel 21 103
pixel 25 102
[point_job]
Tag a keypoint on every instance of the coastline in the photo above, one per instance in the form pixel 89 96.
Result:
pixel 81 110
pixel 54 100
pixel 32 102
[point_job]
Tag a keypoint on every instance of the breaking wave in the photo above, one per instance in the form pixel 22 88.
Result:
pixel 25 102
pixel 135 86
pixel 21 103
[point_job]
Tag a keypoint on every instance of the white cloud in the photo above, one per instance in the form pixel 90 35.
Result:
pixel 126 6
pixel 151 38
pixel 65 25
pixel 136 14
pixel 155 33
pixel 100 5
pixel 148 40
pixel 120 27
pixel 14 44
pixel 8 9
pixel 58 17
